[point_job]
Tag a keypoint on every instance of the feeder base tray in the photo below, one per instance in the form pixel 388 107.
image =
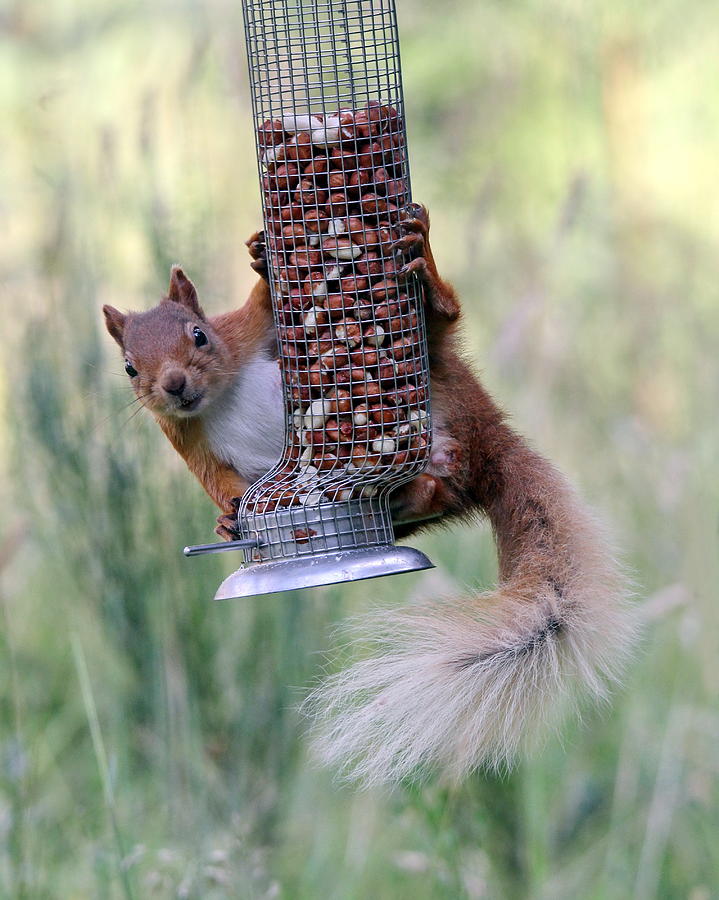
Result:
pixel 325 568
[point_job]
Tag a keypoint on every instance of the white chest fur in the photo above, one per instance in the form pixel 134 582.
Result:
pixel 245 426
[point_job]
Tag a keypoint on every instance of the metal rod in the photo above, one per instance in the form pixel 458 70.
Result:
pixel 199 549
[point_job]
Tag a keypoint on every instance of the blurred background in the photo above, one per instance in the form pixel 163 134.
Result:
pixel 150 744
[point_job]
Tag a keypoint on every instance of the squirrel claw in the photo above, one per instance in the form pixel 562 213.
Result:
pixel 256 244
pixel 227 527
pixel 415 219
pixel 409 244
pixel 414 267
pixel 226 534
pixel 258 251
pixel 408 248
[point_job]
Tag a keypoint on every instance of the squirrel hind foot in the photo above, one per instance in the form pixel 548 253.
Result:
pixel 415 218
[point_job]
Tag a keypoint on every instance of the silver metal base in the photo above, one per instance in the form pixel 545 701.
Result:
pixel 322 568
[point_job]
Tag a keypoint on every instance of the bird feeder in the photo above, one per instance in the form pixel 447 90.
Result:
pixel 332 156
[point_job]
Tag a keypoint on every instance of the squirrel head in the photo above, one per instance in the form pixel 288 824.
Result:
pixel 176 361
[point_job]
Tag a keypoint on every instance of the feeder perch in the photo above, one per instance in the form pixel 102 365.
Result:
pixel 331 148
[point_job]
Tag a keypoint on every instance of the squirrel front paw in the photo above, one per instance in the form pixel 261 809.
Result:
pixel 258 251
pixel 227 528
pixel 227 525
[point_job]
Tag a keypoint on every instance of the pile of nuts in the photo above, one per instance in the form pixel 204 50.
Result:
pixel 334 188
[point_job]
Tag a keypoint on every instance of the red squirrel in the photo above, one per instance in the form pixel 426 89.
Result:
pixel 457 684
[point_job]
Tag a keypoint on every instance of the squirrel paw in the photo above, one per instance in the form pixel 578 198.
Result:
pixel 413 267
pixel 412 254
pixel 414 227
pixel 414 500
pixel 415 218
pixel 426 495
pixel 227 527
pixel 258 251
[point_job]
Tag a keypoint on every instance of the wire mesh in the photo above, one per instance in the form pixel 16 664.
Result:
pixel 331 147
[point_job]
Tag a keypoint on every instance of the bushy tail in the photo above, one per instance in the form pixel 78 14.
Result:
pixel 463 684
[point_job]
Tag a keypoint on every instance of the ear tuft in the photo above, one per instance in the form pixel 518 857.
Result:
pixel 114 322
pixel 182 291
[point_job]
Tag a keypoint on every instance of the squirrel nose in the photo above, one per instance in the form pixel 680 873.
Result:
pixel 174 383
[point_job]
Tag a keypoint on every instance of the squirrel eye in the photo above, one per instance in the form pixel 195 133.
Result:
pixel 130 369
pixel 199 336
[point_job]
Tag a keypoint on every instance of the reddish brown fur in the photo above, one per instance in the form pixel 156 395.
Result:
pixel 492 470
pixel 242 331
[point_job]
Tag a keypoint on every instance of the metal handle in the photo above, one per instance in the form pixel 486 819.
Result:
pixel 199 549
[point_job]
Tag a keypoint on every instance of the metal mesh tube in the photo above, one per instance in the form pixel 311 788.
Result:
pixel 331 148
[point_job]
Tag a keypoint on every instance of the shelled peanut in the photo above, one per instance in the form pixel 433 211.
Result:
pixel 354 365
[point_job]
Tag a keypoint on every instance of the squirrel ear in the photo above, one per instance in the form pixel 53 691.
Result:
pixel 182 290
pixel 114 322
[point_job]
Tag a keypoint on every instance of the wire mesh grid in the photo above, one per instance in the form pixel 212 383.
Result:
pixel 331 148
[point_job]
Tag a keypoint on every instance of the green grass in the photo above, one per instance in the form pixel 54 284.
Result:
pixel 150 744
